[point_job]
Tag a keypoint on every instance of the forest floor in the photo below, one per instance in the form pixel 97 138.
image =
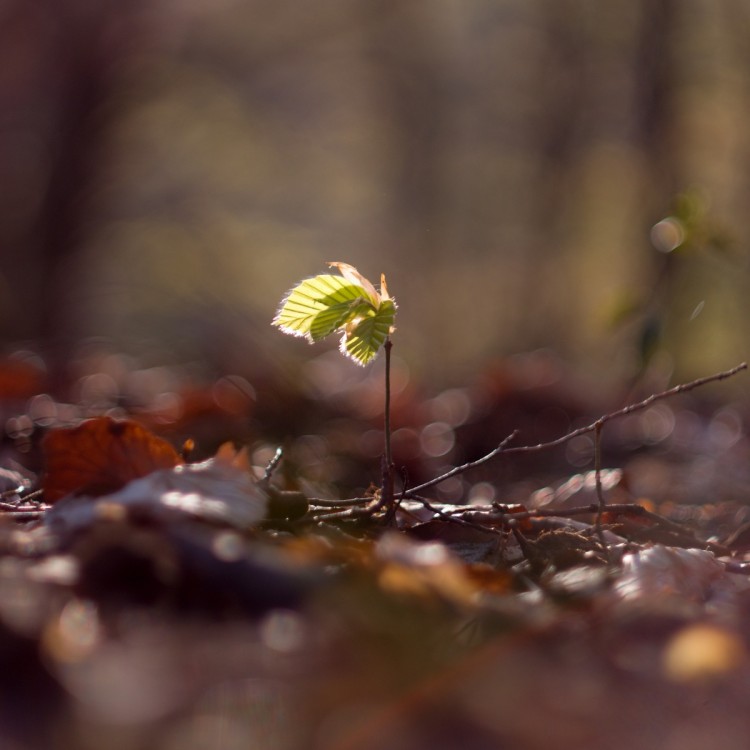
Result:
pixel 220 575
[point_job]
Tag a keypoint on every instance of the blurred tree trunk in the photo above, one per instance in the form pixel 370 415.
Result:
pixel 72 50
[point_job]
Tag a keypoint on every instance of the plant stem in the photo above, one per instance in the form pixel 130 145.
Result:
pixel 386 492
pixel 387 409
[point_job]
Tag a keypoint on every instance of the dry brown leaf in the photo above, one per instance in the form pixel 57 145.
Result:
pixel 100 456
pixel 229 455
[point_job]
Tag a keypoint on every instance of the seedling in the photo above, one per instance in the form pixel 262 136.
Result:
pixel 348 304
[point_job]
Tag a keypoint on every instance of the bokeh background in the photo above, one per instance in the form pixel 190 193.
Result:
pixel 168 170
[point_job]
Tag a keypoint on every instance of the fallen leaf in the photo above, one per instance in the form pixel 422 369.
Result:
pixel 228 455
pixel 422 569
pixel 209 491
pixel 693 575
pixel 469 543
pixel 100 456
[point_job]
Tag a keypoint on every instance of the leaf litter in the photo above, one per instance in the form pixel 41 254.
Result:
pixel 141 591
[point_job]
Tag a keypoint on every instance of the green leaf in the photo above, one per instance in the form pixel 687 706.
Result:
pixel 364 338
pixel 336 317
pixel 317 307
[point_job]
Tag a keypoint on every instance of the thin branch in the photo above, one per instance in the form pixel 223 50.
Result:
pixel 593 427
pixel 613 509
pixel 464 467
pixel 448 516
pixel 272 464
pixel 348 502
pixel 684 388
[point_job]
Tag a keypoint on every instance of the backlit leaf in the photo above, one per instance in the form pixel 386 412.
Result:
pixel 335 317
pixel 319 306
pixel 316 307
pixel 364 337
pixel 355 277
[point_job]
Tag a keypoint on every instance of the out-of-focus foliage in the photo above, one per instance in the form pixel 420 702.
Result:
pixel 166 169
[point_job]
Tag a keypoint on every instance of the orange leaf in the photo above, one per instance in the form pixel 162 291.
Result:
pixel 100 456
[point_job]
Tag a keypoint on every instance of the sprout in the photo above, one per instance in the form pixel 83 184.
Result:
pixel 349 304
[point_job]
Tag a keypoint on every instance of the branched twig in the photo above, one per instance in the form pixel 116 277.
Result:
pixel 364 507
pixel 448 516
pixel 593 427
pixel 614 509
pixel 683 388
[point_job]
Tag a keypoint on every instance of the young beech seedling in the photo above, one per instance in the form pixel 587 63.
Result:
pixel 348 304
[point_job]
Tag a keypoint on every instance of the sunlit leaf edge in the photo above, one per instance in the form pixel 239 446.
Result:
pixel 312 297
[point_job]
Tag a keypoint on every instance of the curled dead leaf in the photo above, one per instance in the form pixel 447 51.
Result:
pixel 100 456
pixel 209 491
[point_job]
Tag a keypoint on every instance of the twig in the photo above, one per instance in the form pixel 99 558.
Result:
pixel 614 509
pixel 351 501
pixel 448 516
pixel 593 427
pixel 272 464
pixel 683 388
pixel 464 467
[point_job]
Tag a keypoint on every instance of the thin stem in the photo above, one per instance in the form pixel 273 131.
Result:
pixel 386 491
pixel 387 413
